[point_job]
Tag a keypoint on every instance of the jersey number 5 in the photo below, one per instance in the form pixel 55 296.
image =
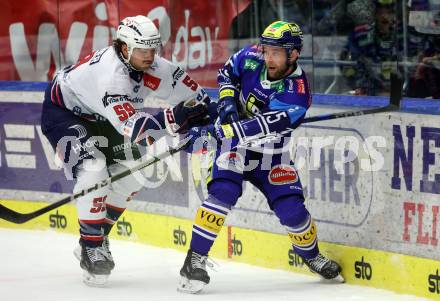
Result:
pixel 124 111
pixel 190 83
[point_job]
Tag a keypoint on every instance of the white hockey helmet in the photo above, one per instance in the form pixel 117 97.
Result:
pixel 138 32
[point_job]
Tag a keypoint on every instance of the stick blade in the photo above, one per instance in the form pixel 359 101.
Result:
pixel 12 216
pixel 396 89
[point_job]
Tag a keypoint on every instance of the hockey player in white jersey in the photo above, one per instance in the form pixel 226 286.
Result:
pixel 95 106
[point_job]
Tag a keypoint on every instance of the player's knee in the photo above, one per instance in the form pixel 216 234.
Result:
pixel 226 192
pixel 291 211
pixel 127 186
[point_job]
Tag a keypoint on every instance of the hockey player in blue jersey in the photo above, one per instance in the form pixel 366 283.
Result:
pixel 263 91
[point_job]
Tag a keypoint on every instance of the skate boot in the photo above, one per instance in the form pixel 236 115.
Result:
pixel 326 268
pixel 108 254
pixel 106 248
pixel 96 267
pixel 194 275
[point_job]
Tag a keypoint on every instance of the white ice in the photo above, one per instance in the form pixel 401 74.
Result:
pixel 39 265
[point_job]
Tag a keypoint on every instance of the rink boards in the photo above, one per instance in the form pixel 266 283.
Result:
pixel 396 272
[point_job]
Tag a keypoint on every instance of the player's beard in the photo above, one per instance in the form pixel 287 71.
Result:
pixel 280 72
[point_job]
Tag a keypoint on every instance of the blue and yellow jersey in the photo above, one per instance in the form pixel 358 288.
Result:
pixel 274 105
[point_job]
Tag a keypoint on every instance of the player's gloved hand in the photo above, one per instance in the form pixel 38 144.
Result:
pixel 206 138
pixel 227 110
pixel 185 115
pixel 201 139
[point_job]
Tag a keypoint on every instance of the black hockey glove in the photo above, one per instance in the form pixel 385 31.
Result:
pixel 186 115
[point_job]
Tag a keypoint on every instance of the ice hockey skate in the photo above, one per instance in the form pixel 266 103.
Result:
pixel 96 263
pixel 106 248
pixel 326 268
pixel 194 274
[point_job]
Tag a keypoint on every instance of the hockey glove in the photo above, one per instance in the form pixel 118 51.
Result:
pixel 206 138
pixel 201 139
pixel 227 110
pixel 185 115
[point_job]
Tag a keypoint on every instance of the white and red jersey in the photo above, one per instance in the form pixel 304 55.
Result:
pixel 102 86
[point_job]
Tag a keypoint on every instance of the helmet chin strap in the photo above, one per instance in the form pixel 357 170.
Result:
pixel 127 60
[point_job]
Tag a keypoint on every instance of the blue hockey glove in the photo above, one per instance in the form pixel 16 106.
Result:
pixel 201 139
pixel 227 110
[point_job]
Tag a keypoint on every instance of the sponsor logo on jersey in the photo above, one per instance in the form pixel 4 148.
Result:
pixel 250 64
pixel 231 161
pixel 108 99
pixel 136 88
pixel 290 85
pixel 301 87
pixel 151 81
pixel 177 75
pixel 254 105
pixel 259 92
pixel 282 174
pixel 112 98
pixel 97 57
pixel 253 53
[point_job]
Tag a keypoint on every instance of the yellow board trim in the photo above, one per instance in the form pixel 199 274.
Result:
pixel 391 271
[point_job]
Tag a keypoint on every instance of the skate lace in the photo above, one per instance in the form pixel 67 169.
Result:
pixel 106 248
pixel 96 254
pixel 318 262
pixel 200 262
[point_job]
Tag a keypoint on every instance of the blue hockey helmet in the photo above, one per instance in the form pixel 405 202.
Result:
pixel 283 34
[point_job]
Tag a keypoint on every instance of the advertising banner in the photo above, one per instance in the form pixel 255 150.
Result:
pixel 36 42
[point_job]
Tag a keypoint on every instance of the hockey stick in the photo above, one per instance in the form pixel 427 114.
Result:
pixel 395 99
pixel 20 218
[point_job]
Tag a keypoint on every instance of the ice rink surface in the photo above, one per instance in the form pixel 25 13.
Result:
pixel 39 265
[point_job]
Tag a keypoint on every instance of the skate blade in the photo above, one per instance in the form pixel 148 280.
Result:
pixel 94 280
pixel 190 286
pixel 337 279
